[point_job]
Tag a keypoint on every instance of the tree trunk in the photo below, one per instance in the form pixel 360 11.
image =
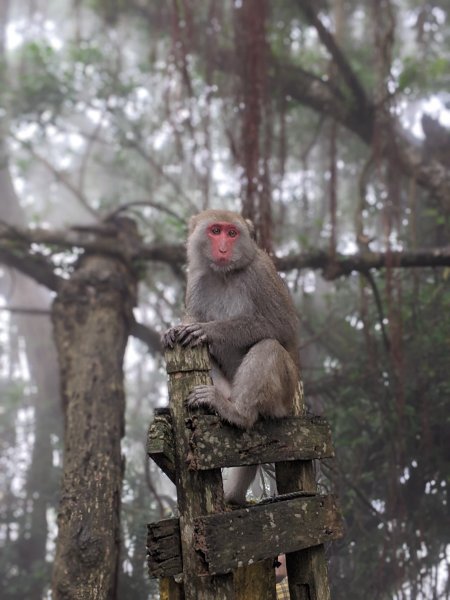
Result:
pixel 92 319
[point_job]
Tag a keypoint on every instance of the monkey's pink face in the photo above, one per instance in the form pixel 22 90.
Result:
pixel 222 237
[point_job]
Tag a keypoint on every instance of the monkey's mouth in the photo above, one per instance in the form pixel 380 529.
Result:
pixel 222 265
pixel 223 260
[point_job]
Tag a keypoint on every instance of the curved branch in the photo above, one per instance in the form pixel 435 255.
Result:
pixel 59 176
pixel 323 97
pixel 35 266
pixel 148 336
pixel 337 55
pixel 149 204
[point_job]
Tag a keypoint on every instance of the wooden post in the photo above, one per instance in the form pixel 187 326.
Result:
pixel 169 589
pixel 307 569
pixel 255 582
pixel 199 492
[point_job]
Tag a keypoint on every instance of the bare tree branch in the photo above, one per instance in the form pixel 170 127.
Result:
pixel 35 266
pixel 59 176
pixel 333 48
pixel 149 204
pixel 323 97
pixel 346 264
pixel 26 310
pixel 149 336
pixel 91 141
pixel 15 251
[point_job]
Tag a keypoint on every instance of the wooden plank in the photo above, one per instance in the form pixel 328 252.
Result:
pixel 164 548
pixel 247 535
pixel 307 569
pixel 160 443
pixel 214 444
pixel 265 530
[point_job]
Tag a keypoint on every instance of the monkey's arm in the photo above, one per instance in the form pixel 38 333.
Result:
pixel 239 332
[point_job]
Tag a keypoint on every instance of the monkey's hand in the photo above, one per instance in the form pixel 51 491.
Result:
pixel 170 336
pixel 191 335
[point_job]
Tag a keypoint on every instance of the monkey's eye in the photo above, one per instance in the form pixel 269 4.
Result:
pixel 215 230
pixel 232 233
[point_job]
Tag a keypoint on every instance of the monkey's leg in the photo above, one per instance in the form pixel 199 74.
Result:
pixel 221 383
pixel 212 396
pixel 237 483
pixel 265 382
pixel 264 385
pixel 218 398
pixel 239 478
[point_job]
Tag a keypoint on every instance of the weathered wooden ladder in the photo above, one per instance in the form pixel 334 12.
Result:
pixel 228 554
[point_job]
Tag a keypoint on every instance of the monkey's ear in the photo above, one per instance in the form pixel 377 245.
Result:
pixel 192 224
pixel 251 228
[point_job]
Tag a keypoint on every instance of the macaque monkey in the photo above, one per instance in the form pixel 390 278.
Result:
pixel 238 305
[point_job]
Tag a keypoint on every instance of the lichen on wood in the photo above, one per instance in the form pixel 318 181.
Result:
pixel 198 493
pixel 248 535
pixel 214 443
pixel 258 532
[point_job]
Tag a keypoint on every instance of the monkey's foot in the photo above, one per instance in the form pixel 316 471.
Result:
pixel 191 335
pixel 202 395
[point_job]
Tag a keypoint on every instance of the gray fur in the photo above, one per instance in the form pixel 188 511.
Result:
pixel 245 314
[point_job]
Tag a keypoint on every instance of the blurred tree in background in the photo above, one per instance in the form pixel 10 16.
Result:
pixel 327 123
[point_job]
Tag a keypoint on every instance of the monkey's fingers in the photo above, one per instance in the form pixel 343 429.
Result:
pixel 169 337
pixel 193 340
pixel 192 335
pixel 186 330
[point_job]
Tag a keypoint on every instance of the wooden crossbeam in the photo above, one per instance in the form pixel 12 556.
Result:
pixel 160 443
pixel 214 444
pixel 252 534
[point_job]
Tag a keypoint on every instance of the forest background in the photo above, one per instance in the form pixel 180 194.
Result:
pixel 327 123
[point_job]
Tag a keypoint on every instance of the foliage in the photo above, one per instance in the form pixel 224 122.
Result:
pixel 391 460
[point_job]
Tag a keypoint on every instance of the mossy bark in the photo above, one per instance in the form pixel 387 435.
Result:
pixel 91 315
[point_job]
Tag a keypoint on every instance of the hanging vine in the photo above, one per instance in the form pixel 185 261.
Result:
pixel 256 128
